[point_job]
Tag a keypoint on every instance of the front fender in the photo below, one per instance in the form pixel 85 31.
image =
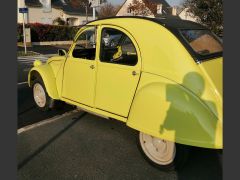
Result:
pixel 169 111
pixel 46 73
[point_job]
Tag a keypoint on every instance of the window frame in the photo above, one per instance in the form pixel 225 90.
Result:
pixel 197 57
pixel 129 35
pixel 78 34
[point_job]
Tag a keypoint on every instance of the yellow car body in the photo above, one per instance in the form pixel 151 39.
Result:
pixel 168 93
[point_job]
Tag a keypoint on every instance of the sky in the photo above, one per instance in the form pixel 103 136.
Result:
pixel 171 2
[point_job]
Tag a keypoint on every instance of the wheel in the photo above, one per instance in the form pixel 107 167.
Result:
pixel 41 97
pixel 165 155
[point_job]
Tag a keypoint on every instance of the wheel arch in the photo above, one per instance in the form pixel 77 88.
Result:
pixel 45 73
pixel 167 110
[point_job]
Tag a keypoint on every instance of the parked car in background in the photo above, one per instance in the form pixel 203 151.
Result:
pixel 162 77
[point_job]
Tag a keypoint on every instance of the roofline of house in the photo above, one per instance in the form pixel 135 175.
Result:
pixel 121 7
pixel 59 8
pixel 143 2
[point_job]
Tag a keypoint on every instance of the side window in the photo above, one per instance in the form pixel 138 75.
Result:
pixel 117 48
pixel 85 47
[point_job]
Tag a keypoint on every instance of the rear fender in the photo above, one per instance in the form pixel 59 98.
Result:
pixel 167 110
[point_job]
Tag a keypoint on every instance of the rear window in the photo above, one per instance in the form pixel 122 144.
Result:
pixel 202 41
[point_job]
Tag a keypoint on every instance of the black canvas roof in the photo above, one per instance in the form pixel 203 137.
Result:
pixel 174 25
pixel 169 22
pixel 177 23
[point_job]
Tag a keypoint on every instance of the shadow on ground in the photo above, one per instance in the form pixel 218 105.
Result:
pixel 203 164
pixel 28 112
pixel 90 147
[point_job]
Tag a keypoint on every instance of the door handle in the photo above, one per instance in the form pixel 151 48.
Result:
pixel 92 66
pixel 134 73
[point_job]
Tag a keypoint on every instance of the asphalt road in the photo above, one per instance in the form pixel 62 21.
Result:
pixel 84 146
pixel 77 145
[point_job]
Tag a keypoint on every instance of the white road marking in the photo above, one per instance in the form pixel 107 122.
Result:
pixel 46 121
pixel 22 83
pixel 43 56
pixel 32 59
pixel 26 69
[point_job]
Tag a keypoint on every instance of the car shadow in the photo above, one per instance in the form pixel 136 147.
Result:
pixel 186 116
pixel 191 116
pixel 203 164
pixel 52 139
pixel 28 113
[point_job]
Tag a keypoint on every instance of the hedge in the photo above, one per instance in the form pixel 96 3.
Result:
pixel 44 32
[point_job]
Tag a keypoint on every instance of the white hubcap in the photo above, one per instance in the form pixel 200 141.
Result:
pixel 159 151
pixel 39 95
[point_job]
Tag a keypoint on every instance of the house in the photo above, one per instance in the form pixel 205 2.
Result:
pixel 59 9
pixel 162 7
pixel 184 14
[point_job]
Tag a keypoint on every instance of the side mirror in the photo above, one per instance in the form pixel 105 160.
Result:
pixel 62 52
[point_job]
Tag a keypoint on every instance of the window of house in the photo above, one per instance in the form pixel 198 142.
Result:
pixel 117 48
pixel 85 47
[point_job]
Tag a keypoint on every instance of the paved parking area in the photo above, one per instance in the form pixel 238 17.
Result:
pixel 79 145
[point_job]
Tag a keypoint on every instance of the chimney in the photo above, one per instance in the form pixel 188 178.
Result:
pixel 159 9
pixel 174 10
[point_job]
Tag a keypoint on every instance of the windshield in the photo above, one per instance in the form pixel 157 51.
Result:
pixel 202 41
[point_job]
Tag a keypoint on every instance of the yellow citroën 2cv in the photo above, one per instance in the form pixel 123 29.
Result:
pixel 162 77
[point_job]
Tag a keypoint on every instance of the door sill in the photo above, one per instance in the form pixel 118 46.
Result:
pixel 95 111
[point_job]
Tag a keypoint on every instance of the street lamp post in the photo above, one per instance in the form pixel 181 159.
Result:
pixel 23 11
pixel 94 13
pixel 94 4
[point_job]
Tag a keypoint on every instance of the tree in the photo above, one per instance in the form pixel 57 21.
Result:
pixel 59 21
pixel 143 8
pixel 81 3
pixel 107 10
pixel 208 13
pixel 151 6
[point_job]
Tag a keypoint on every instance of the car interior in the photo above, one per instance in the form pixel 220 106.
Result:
pixel 116 47
pixel 120 52
pixel 84 53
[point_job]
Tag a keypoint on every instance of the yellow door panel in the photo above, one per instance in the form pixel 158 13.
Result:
pixel 79 71
pixel 79 80
pixel 118 71
pixel 115 88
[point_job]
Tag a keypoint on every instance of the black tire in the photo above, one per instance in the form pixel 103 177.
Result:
pixel 49 104
pixel 181 155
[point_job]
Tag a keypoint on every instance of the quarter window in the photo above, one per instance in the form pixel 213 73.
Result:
pixel 117 48
pixel 202 41
pixel 85 47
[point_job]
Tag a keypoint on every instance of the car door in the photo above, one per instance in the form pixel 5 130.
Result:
pixel 118 71
pixel 79 70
